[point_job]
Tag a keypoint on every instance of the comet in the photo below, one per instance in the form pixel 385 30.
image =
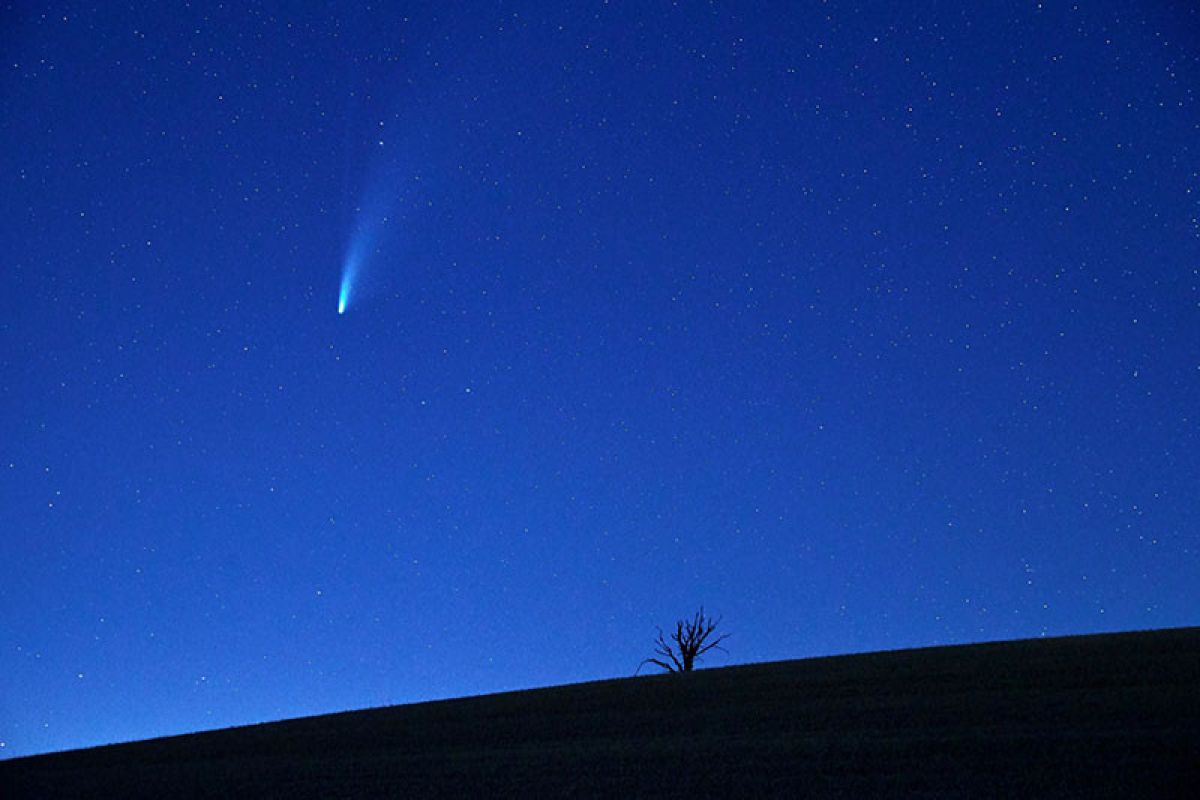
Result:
pixel 344 293
pixel 372 235
pixel 350 268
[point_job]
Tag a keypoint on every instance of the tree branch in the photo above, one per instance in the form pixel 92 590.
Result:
pixel 691 640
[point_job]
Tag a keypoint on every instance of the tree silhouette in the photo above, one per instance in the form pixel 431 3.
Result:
pixel 690 640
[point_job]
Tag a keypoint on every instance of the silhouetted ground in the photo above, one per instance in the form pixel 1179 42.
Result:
pixel 1091 716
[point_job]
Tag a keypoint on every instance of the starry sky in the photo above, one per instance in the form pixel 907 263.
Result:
pixel 867 325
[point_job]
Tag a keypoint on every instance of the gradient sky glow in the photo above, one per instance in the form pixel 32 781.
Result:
pixel 866 325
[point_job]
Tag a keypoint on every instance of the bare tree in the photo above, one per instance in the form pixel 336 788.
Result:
pixel 690 640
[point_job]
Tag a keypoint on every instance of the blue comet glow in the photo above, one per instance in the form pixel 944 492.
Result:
pixel 344 294
pixel 372 230
pixel 349 273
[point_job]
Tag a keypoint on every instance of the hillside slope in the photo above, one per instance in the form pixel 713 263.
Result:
pixel 1092 716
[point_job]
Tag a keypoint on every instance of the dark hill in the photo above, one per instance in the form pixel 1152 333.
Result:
pixel 1090 716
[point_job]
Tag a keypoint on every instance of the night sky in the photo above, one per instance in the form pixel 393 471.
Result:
pixel 865 325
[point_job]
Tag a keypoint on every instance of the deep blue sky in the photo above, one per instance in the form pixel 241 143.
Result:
pixel 866 325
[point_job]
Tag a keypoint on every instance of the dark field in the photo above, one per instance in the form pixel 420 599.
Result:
pixel 1092 716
